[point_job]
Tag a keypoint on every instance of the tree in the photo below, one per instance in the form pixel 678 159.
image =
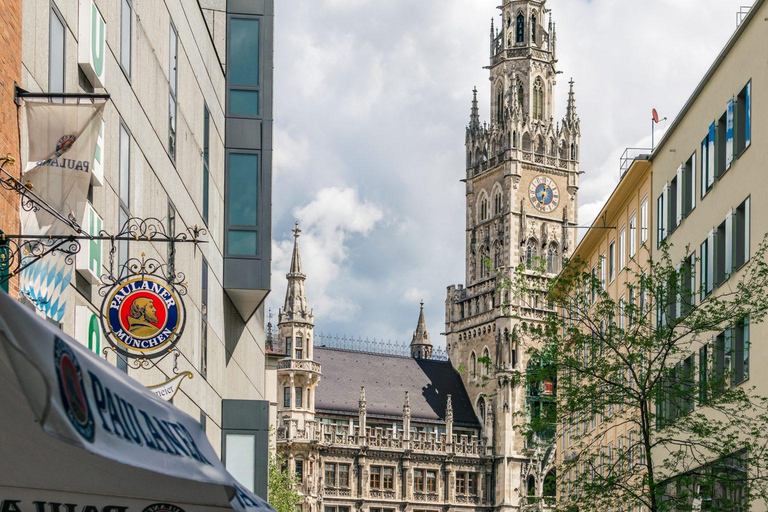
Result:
pixel 653 407
pixel 283 494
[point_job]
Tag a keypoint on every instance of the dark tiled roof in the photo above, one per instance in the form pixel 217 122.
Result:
pixel 386 379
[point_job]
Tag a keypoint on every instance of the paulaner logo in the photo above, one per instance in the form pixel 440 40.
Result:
pixel 72 389
pixel 63 145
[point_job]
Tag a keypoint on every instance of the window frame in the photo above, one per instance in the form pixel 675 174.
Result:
pixel 247 88
pixel 644 220
pixel 206 163
pixel 126 70
pixel 259 208
pixel 54 12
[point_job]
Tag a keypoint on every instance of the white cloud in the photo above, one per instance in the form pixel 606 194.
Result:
pixel 327 223
pixel 375 96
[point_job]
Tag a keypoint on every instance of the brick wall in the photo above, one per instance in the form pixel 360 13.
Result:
pixel 10 72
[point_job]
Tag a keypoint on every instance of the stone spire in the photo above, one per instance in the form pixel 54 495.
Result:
pixel 407 417
pixel 474 118
pixel 570 112
pixel 296 308
pixel 421 345
pixel 362 412
pixel 449 419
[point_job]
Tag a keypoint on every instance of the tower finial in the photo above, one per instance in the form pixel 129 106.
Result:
pixel 570 113
pixel 474 118
pixel 296 230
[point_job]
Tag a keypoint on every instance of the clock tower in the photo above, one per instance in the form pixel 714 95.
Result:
pixel 522 180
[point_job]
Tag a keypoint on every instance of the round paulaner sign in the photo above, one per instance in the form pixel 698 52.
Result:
pixel 143 316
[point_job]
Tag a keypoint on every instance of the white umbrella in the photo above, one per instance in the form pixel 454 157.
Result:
pixel 77 435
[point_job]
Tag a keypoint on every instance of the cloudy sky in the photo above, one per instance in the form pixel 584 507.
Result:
pixel 371 101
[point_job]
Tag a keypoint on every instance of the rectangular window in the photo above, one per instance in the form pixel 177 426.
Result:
pixel 612 261
pixel 288 347
pixel 720 138
pixel 722 235
pixel 173 80
pixel 706 184
pixel 622 249
pixel 387 479
pixel 729 113
pixel 687 285
pixel 662 216
pixel 602 271
pixel 431 480
pixel 299 470
pixel 125 167
pixel 56 51
pixel 722 359
pixel 743 122
pixel 631 305
pixel 461 483
pixel 375 479
pixel 242 204
pixel 593 285
pixel 299 354
pixel 126 15
pixel 687 188
pixel 299 398
pixel 243 67
pixel 703 373
pixel 206 160
pixel 287 397
pixel 330 475
pixel 299 343
pixel 632 235
pixel 740 353
pixel 204 316
pixel 741 235
pixel 674 211
pixel 344 476
pixel 644 221
pixel 688 385
pixel 418 480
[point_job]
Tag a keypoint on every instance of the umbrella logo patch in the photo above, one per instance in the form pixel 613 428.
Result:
pixel 64 144
pixel 72 389
pixel 163 507
pixel 143 317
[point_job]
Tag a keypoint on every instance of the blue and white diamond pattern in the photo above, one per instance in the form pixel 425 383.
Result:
pixel 45 282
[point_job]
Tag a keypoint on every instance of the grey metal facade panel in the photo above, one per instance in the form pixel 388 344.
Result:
pixel 386 379
pixel 246 273
pixel 256 7
pixel 244 133
pixel 249 417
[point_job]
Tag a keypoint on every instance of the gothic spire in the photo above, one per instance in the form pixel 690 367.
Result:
pixel 296 308
pixel 474 118
pixel 421 345
pixel 570 112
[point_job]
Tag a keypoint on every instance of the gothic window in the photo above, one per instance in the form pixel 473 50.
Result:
pixel 552 259
pixel 481 410
pixel 538 99
pixel 499 106
pixel 497 257
pixel 531 253
pixel 552 147
pixel 514 139
pixel 540 399
pixel 520 28
pixel 563 150
pixel 526 142
pixel 550 484
pixel 497 204
pixel 473 365
pixel 486 361
pixel 521 97
pixel 484 209
pixel 533 29
pixel 573 151
pixel 531 485
pixel 540 145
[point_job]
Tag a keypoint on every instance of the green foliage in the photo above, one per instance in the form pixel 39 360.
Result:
pixel 283 495
pixel 640 421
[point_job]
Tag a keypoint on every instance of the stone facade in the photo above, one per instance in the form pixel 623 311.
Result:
pixel 522 186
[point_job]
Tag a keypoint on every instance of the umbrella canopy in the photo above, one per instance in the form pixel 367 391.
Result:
pixel 74 430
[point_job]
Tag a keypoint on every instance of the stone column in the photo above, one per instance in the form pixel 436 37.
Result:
pixel 361 410
pixel 407 422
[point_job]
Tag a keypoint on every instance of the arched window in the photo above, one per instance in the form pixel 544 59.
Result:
pixel 533 29
pixel 521 97
pixel 514 139
pixel 486 361
pixel 473 364
pixel 540 399
pixel 531 485
pixel 553 263
pixel 538 99
pixel 531 253
pixel 499 105
pixel 497 204
pixel 484 209
pixel 540 145
pixel 481 410
pixel 520 28
pixel 573 151
pixel 526 141
pixel 552 147
pixel 550 484
pixel 497 256
pixel 563 150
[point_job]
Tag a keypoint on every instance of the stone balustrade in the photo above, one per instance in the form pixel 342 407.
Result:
pixel 299 364
pixel 377 437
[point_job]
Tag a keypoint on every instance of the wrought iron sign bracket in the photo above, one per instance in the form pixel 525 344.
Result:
pixel 19 94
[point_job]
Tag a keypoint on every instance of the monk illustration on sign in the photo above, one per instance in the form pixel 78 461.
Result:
pixel 142 318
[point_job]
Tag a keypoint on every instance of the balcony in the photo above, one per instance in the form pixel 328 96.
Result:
pixel 299 365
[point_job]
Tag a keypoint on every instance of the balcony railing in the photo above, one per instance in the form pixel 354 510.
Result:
pixel 299 364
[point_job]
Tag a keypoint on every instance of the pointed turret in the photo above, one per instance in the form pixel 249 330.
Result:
pixel 421 345
pixel 571 118
pixel 474 118
pixel 296 308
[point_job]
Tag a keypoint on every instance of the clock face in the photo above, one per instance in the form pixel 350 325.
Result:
pixel 544 194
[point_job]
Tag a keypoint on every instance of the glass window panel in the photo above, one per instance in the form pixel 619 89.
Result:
pixel 243 102
pixel 240 455
pixel 206 161
pixel 56 54
pixel 243 189
pixel 125 36
pixel 243 243
pixel 173 59
pixel 243 65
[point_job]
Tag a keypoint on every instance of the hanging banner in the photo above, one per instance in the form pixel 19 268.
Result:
pixel 61 142
pixel 168 389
